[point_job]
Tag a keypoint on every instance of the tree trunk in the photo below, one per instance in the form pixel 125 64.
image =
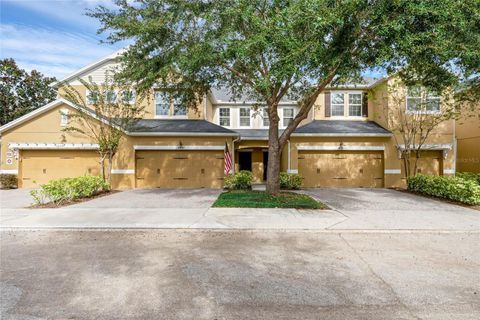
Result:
pixel 110 160
pixel 415 167
pixel 274 154
pixel 102 167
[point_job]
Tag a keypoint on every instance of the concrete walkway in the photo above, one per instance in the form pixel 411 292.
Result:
pixel 351 209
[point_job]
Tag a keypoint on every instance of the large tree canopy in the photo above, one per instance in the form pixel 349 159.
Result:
pixel 269 49
pixel 22 92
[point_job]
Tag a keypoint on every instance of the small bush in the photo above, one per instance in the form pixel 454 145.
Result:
pixel 68 189
pixel 8 181
pixel 453 188
pixel 472 176
pixel 290 181
pixel 239 181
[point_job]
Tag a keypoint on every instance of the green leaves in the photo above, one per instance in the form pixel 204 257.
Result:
pixel 22 92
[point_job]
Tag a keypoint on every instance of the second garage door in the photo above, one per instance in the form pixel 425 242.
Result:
pixel 41 166
pixel 179 169
pixel 341 168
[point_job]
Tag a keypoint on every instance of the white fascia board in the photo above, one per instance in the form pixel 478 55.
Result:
pixel 12 171
pixel 342 148
pixel 220 103
pixel 89 67
pixel 33 114
pixel 341 134
pixel 446 146
pixel 163 147
pixel 53 146
pixel 182 134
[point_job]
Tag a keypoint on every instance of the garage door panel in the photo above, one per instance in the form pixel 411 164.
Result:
pixel 39 166
pixel 341 169
pixel 179 169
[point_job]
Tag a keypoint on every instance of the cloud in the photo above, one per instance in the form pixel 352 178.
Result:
pixel 50 51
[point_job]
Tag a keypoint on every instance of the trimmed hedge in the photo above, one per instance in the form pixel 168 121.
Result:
pixel 239 181
pixel 290 181
pixel 453 188
pixel 8 181
pixel 68 189
pixel 469 176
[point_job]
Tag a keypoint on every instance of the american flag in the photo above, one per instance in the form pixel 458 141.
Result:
pixel 228 160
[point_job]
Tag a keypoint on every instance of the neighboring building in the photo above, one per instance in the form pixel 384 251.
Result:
pixel 344 142
pixel 467 131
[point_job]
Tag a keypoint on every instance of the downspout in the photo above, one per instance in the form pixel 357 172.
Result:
pixel 233 151
pixel 288 165
pixel 205 106
pixel 454 148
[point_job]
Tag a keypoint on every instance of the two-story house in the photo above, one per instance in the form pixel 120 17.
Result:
pixel 344 142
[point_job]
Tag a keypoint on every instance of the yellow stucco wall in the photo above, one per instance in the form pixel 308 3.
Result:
pixel 468 142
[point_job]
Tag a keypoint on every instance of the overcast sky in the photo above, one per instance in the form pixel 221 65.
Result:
pixel 52 36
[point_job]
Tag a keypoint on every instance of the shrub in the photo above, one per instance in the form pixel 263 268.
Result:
pixel 68 189
pixel 8 181
pixel 290 181
pixel 469 176
pixel 453 188
pixel 239 181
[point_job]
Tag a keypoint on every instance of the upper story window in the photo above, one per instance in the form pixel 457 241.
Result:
pixel 110 96
pixel 244 117
pixel 128 96
pixel 338 105
pixel 422 100
pixel 92 97
pixel 265 120
pixel 224 117
pixel 167 105
pixel 162 104
pixel 288 115
pixel 179 108
pixel 355 104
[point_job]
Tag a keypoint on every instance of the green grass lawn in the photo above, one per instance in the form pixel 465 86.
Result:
pixel 260 199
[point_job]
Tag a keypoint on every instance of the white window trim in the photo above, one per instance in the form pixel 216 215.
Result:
pixel 229 116
pixel 99 93
pixel 87 100
pixel 332 104
pixel 423 99
pixel 348 105
pixel 239 117
pixel 171 107
pixel 261 119
pixel 293 117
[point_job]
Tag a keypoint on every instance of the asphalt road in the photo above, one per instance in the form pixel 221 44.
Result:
pixel 161 274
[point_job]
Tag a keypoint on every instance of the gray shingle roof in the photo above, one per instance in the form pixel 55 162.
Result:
pixel 178 125
pixel 344 127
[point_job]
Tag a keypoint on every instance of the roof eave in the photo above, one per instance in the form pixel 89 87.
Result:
pixel 182 134
pixel 342 135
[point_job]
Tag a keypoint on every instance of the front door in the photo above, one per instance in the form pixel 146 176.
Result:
pixel 265 165
pixel 245 160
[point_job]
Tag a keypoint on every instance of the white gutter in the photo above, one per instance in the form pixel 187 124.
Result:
pixel 182 134
pixel 341 135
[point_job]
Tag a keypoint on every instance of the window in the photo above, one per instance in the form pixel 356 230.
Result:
pixel 64 118
pixel 422 100
pixel 224 117
pixel 355 104
pixel 110 96
pixel 244 117
pixel 128 96
pixel 162 104
pixel 92 97
pixel 179 108
pixel 266 121
pixel 338 104
pixel 287 116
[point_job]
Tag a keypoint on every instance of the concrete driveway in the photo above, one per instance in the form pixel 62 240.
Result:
pixel 351 209
pixel 167 274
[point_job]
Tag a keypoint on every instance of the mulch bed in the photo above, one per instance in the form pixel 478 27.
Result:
pixel 458 203
pixel 76 201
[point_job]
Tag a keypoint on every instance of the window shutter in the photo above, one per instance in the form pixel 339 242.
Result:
pixel 327 104
pixel 365 104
